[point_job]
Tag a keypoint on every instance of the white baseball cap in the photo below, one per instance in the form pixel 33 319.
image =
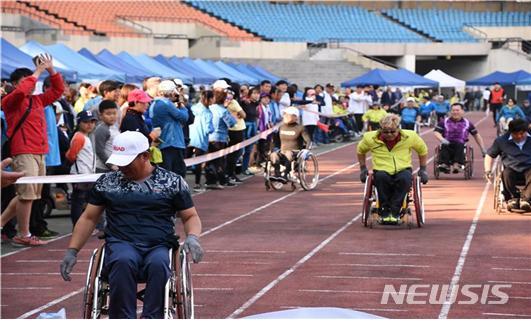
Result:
pixel 126 146
pixel 292 110
pixel 167 86
pixel 410 99
pixel 220 84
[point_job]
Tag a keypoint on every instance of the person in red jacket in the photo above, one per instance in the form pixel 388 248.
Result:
pixel 496 100
pixel 29 144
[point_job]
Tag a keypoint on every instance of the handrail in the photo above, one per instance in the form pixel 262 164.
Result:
pixel 483 34
pixel 337 42
pixel 135 24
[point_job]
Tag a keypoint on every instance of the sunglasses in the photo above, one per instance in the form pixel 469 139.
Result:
pixel 389 131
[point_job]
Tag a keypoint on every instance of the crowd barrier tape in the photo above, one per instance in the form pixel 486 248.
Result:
pixel 90 178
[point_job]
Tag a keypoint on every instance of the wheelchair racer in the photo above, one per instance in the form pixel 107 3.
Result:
pixel 453 133
pixel 291 136
pixel 514 148
pixel 391 159
pixel 141 202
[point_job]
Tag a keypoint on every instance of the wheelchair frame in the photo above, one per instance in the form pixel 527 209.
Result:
pixel 371 204
pixel 178 292
pixel 469 162
pixel 297 173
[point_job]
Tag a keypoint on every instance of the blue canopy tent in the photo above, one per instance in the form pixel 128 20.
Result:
pixel 86 69
pixel 501 77
pixel 526 81
pixel 203 68
pixel 237 75
pixel 247 71
pixel 265 72
pixel 161 69
pixel 132 75
pixel 13 58
pixel 198 76
pixel 212 69
pixel 401 77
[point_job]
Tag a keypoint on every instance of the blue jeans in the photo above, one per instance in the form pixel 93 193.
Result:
pixel 250 131
pixel 125 265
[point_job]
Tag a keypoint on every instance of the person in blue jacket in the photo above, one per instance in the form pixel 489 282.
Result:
pixel 410 115
pixel 441 107
pixel 218 139
pixel 426 109
pixel 170 116
pixel 509 112
pixel 199 132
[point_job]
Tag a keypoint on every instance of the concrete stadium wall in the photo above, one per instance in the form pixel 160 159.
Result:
pixel 190 29
pixel 261 50
pixel 426 49
pixel 507 32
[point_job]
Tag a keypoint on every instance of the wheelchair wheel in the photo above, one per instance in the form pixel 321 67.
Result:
pixel 498 190
pixel 469 162
pixel 276 185
pixel 308 170
pixel 181 285
pixel 95 293
pixel 436 171
pixel 367 201
pixel 418 202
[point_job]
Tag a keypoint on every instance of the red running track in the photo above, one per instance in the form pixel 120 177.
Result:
pixel 269 251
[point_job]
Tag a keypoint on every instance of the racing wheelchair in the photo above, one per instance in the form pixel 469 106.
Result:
pixel 468 166
pixel 371 205
pixel 500 203
pixel 303 170
pixel 178 292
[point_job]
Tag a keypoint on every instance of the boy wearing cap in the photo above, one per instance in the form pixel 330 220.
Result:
pixel 105 133
pixel 290 133
pixel 141 202
pixel 83 158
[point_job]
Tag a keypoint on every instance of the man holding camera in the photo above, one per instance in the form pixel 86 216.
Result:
pixel 28 144
pixel 170 114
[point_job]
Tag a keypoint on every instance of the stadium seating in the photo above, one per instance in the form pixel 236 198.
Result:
pixel 447 25
pixel 102 16
pixel 309 23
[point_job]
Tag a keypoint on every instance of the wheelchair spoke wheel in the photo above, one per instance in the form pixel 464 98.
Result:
pixel 367 201
pixel 269 184
pixel 308 172
pixel 93 298
pixel 182 287
pixel 418 202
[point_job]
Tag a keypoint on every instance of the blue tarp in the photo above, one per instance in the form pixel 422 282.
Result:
pixel 526 81
pixel 401 77
pixel 236 75
pixel 69 59
pixel 501 77
pixel 13 58
pixel 202 67
pixel 262 71
pixel 160 69
pixel 132 75
pixel 253 73
pixel 175 63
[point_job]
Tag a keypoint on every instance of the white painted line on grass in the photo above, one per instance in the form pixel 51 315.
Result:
pixel 285 274
pixel 386 254
pixel 52 303
pixel 464 252
pixel 369 277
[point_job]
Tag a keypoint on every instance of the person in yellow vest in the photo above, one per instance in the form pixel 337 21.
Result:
pixel 372 117
pixel 391 148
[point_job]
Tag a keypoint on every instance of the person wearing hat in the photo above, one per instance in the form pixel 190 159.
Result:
pixel 410 114
pixel 83 158
pixel 171 118
pixel 133 120
pixel 290 133
pixel 141 202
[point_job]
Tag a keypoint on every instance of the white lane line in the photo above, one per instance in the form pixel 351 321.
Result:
pixel 285 274
pixel 380 265
pixel 508 282
pixel 512 297
pixel 355 309
pixel 236 263
pixel 369 277
pixel 464 252
pixel 223 275
pixel 26 288
pixel 246 251
pixel 45 261
pixel 511 269
pixel 386 254
pixel 341 291
pixel 22 249
pixel 38 274
pixel 507 314
pixel 52 303
pixel 212 289
pixel 517 258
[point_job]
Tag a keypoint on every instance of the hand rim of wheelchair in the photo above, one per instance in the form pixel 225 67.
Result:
pixel 302 156
pixel 178 291
pixel 371 195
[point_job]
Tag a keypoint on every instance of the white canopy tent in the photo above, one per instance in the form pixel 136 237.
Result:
pixel 445 80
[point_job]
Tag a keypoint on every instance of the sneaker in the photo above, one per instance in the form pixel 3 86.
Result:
pixel 214 187
pixel 525 205
pixel 31 241
pixel 229 184
pixel 48 234
pixel 513 204
pixel 444 168
pixel 390 219
pixel 198 188
pixel 235 179
pixel 247 173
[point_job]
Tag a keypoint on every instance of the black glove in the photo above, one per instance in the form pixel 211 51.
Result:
pixel 191 245
pixel 364 172
pixel 423 175
pixel 68 263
